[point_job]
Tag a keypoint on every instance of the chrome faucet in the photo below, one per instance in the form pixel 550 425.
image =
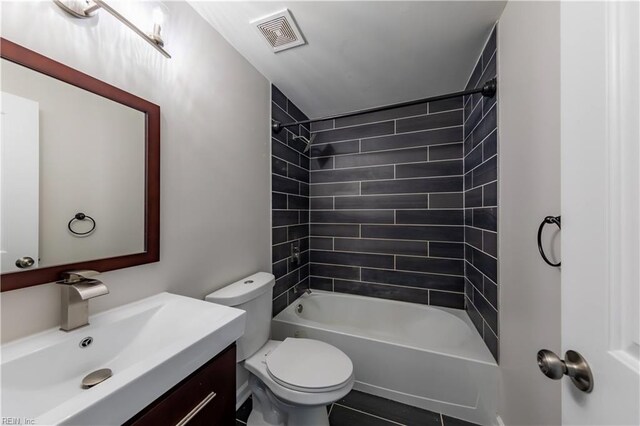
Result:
pixel 77 288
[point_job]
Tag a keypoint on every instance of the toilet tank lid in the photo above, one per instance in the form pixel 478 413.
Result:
pixel 242 290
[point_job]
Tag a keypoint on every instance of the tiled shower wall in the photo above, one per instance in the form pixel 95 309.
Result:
pixel 481 201
pixel 289 204
pixel 387 216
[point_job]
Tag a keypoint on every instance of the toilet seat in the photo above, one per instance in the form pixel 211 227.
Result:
pixel 257 366
pixel 308 365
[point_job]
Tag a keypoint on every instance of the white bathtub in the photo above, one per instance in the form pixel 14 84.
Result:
pixel 424 356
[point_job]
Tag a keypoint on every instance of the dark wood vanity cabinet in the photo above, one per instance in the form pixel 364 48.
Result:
pixel 206 397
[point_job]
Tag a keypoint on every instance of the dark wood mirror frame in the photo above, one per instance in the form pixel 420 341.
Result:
pixel 30 59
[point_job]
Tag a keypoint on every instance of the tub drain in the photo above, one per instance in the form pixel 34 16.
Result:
pixel 98 376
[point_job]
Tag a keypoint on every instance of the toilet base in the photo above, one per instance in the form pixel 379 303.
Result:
pixel 268 410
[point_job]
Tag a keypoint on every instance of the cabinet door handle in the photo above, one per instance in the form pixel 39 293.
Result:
pixel 196 409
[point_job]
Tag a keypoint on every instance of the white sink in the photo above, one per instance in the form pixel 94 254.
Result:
pixel 150 346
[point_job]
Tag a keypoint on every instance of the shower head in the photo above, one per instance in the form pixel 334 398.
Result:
pixel 307 141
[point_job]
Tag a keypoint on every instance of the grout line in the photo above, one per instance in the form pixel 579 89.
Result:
pixel 482 142
pixel 396 163
pixel 402 148
pixel 479 165
pixel 386 269
pixel 383 239
pixel 461 225
pixel 392 134
pixel 389 180
pixel 385 195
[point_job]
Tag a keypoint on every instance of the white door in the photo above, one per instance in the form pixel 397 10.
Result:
pixel 19 152
pixel 600 92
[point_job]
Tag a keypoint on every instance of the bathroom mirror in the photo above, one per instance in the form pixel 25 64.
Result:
pixel 79 174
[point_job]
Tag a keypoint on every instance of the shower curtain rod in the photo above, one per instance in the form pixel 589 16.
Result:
pixel 488 89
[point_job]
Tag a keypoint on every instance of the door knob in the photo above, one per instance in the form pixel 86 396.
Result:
pixel 25 262
pixel 573 365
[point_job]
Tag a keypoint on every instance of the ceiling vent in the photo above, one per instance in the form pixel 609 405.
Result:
pixel 280 31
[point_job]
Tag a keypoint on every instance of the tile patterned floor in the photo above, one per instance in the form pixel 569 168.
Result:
pixel 361 409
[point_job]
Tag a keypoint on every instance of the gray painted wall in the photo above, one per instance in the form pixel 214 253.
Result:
pixel 529 190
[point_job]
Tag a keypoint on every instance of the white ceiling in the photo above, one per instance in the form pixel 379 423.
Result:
pixel 362 54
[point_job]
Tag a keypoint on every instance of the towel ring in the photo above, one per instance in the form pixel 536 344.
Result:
pixel 81 216
pixel 547 220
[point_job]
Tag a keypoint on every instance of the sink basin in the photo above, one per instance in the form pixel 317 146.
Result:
pixel 150 346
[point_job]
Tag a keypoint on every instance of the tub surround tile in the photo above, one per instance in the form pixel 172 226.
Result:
pixel 445 105
pixel 414 201
pixel 429 121
pixel 413 248
pixel 321 243
pixel 430 217
pixel 429 169
pixel 320 230
pixel 320 283
pixel 352 259
pixel 400 156
pixel 350 175
pixel 321 163
pixel 432 265
pixel 450 250
pixel 415 139
pixel 384 187
pixel 285 185
pixel 352 216
pixel 400 204
pixel 481 201
pixel 290 203
pixel 413 186
pixel 404 294
pixel 372 117
pixel 446 200
pixel 446 152
pixel 334 189
pixel 447 299
pixel 355 132
pixel 410 232
pixel 414 279
pixel 335 271
pixel 328 149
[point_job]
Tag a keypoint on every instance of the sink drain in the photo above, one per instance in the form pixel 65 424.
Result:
pixel 85 342
pixel 98 376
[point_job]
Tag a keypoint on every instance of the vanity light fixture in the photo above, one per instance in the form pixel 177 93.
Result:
pixel 87 9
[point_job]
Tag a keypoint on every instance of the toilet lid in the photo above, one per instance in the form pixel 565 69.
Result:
pixel 309 365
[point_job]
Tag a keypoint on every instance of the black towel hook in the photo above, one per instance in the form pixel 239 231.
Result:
pixel 547 220
pixel 81 216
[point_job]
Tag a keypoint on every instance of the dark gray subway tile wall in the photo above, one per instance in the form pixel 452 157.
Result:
pixel 387 198
pixel 398 204
pixel 290 203
pixel 481 201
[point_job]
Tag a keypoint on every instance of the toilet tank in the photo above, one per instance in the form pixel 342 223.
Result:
pixel 253 295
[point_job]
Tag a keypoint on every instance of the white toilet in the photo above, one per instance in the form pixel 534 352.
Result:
pixel 293 381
